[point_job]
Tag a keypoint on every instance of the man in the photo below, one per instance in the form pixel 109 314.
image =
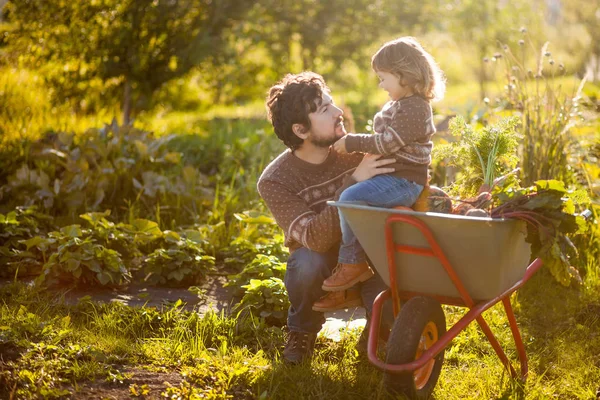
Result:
pixel 296 186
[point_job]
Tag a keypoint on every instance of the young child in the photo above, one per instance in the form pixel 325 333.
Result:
pixel 402 130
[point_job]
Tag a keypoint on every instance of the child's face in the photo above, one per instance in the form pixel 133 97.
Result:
pixel 391 84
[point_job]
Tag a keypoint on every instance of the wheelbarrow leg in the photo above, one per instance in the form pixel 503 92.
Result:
pixel 494 342
pixel 373 338
pixel 517 336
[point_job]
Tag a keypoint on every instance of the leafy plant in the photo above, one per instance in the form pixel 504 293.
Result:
pixel 262 267
pixel 180 261
pixel 547 110
pixel 109 168
pixel 118 377
pixel 99 254
pixel 550 212
pixel 255 233
pixel 77 256
pixel 20 224
pixel 265 298
pixel 88 255
pixel 483 154
pixel 136 390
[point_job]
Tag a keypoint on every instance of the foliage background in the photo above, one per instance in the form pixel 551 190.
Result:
pixel 132 134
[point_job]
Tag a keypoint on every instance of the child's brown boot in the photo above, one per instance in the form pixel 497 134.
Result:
pixel 347 275
pixel 338 300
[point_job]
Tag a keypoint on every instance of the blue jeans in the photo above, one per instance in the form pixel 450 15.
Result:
pixel 305 273
pixel 380 191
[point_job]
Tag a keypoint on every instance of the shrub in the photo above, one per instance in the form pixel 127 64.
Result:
pixel 116 168
pixel 267 299
pixel 76 256
pixel 178 261
pixel 17 226
pixel 262 267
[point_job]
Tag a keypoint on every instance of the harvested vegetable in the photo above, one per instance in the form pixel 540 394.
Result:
pixel 550 212
pixel 481 154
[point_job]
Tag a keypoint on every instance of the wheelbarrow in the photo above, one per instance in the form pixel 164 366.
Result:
pixel 429 259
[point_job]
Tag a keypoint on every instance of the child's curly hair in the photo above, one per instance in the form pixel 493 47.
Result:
pixel 290 101
pixel 416 68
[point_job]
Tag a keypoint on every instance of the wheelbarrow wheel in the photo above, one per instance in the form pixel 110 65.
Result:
pixel 419 325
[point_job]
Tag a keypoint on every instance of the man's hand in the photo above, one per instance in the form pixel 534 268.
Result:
pixel 340 145
pixel 370 166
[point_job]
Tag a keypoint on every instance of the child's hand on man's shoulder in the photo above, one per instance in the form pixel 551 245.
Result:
pixel 340 146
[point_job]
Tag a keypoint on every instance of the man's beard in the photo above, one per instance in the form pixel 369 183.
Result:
pixel 324 142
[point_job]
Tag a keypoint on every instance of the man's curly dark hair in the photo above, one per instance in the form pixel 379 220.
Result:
pixel 290 101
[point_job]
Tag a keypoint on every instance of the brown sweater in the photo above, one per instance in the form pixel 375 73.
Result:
pixel 296 193
pixel 402 129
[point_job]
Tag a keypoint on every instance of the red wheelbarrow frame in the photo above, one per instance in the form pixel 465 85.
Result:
pixel 465 300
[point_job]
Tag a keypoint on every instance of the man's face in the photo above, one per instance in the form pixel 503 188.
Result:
pixel 327 123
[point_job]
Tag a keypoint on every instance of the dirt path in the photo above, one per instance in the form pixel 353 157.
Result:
pixel 152 383
pixel 215 296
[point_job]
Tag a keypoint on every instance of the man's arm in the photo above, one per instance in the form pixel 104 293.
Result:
pixel 315 231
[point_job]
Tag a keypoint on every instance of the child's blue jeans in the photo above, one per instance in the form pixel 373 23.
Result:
pixel 379 191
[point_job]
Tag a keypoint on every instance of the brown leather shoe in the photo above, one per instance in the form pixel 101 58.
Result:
pixel 299 347
pixel 338 300
pixel 347 275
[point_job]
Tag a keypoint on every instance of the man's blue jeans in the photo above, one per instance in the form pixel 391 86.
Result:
pixel 306 271
pixel 379 191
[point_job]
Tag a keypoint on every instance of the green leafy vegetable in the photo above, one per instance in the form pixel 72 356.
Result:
pixel 549 210
pixel 482 154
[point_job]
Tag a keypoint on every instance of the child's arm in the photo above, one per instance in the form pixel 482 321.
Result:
pixel 409 124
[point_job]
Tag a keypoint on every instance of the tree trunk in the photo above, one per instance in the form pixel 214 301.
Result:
pixel 305 60
pixel 127 103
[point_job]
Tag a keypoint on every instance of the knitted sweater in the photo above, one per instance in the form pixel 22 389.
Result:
pixel 296 193
pixel 402 129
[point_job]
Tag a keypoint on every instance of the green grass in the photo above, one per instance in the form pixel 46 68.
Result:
pixel 59 346
pixel 31 113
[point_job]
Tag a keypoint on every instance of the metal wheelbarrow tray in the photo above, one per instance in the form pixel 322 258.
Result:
pixel 431 259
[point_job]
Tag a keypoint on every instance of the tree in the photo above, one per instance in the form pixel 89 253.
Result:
pixel 586 14
pixel 323 34
pixel 485 23
pixel 118 49
pixel 281 36
pixel 4 24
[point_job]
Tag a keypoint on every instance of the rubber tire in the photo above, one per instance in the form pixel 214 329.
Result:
pixel 402 345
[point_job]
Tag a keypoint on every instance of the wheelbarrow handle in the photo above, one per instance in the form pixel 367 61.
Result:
pixel 531 269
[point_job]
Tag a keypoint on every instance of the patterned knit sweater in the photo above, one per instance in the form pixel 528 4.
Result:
pixel 402 129
pixel 296 193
